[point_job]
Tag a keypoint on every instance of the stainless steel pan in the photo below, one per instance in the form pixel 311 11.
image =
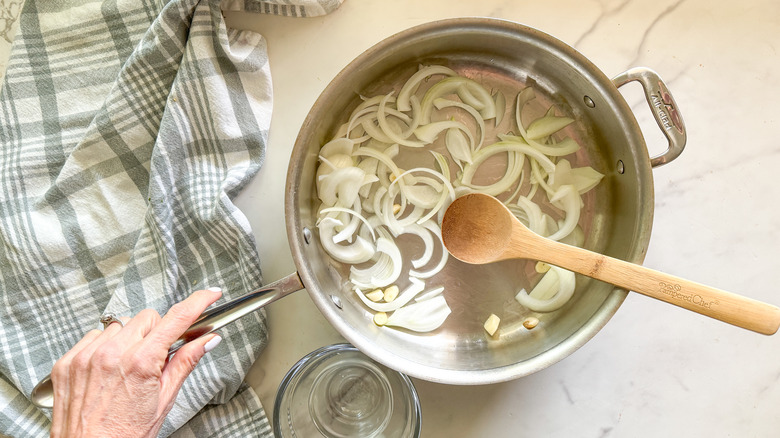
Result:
pixel 617 219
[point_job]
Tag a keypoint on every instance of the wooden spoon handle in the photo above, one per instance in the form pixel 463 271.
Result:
pixel 724 306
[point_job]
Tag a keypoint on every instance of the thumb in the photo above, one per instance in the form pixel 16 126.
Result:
pixel 181 365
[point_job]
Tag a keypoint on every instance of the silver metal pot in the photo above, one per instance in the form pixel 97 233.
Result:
pixel 617 218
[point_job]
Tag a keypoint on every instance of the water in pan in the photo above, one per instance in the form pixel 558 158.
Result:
pixel 474 292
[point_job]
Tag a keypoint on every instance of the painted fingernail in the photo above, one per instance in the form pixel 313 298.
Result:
pixel 213 342
pixel 215 289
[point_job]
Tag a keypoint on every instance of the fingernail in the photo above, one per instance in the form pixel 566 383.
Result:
pixel 213 342
pixel 215 289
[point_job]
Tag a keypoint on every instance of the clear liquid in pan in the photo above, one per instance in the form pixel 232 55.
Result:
pixel 474 292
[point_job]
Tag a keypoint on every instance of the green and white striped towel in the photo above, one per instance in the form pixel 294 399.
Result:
pixel 126 129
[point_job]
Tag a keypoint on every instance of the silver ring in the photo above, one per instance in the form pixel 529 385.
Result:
pixel 109 318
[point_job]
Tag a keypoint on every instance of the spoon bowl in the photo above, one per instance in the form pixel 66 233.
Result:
pixel 481 233
pixel 480 229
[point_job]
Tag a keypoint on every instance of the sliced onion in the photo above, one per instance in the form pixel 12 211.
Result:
pixel 427 239
pixel 369 102
pixel 539 178
pixel 411 85
pixel 433 228
pixel 385 271
pixel 500 99
pixel 341 185
pixel 423 316
pixel 364 152
pixel 383 157
pixel 533 213
pixel 441 161
pixel 570 201
pixel 367 122
pixel 430 131
pixel 358 252
pixel 443 196
pixel 368 165
pixel 427 295
pixel 523 97
pixel 502 146
pixel 582 178
pixel 547 286
pixel 327 166
pixel 566 283
pixel 342 146
pixel 546 126
pixel 564 147
pixel 356 121
pixel 423 196
pixel 388 130
pixel 474 94
pixel 513 171
pixel 469 91
pixel 355 214
pixel 446 103
pixel 458 146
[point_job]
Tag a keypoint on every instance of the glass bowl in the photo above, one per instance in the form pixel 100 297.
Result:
pixel 337 391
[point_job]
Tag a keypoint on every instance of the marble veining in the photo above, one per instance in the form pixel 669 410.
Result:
pixel 9 24
pixel 601 17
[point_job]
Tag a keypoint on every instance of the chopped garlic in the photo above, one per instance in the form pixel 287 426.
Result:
pixel 491 325
pixel 542 267
pixel 390 293
pixel 375 295
pixel 530 322
pixel 392 176
pixel 380 318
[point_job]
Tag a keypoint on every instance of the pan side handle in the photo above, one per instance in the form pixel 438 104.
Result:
pixel 664 109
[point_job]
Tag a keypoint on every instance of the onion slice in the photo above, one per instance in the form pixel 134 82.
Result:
pixel 565 291
pixel 446 103
pixel 352 212
pixel 570 201
pixel 546 126
pixel 381 118
pixel 470 92
pixel 422 316
pixel 385 271
pixel 458 146
pixel 411 85
pixel 358 252
pixel 430 294
pixel 433 228
pixel 500 99
pixel 426 237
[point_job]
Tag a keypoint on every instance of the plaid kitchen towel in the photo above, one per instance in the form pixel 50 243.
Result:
pixel 126 129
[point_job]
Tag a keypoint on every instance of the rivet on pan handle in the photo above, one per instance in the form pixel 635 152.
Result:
pixel 664 109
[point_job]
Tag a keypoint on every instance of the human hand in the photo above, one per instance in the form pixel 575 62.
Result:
pixel 119 382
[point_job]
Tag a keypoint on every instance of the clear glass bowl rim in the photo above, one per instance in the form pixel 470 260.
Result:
pixel 327 351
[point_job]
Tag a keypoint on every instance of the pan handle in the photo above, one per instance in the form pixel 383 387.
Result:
pixel 664 109
pixel 211 320
pixel 222 315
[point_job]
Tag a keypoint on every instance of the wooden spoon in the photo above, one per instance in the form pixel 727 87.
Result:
pixel 479 229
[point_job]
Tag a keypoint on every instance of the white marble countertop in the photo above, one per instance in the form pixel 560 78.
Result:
pixel 654 370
